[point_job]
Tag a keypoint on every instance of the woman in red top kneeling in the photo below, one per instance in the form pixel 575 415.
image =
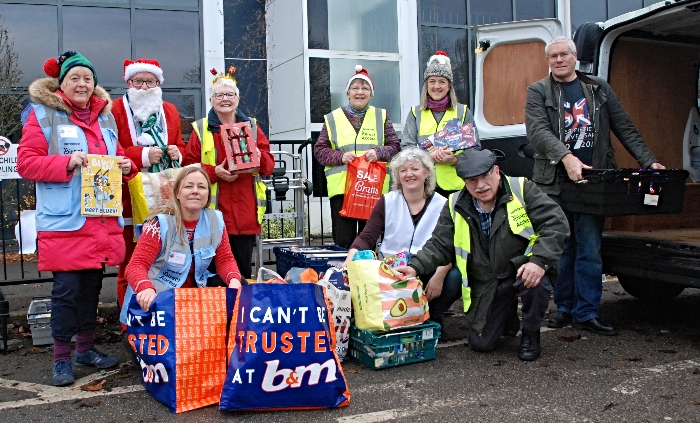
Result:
pixel 178 242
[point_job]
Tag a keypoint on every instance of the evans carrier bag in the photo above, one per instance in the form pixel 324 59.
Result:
pixel 282 353
pixel 363 187
pixel 180 344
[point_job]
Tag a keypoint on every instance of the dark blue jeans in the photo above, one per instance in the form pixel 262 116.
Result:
pixel 580 285
pixel 451 291
pixel 74 299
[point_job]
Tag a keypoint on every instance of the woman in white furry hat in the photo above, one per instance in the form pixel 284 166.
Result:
pixel 438 105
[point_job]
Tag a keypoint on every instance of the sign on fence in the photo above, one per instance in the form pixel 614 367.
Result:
pixel 8 159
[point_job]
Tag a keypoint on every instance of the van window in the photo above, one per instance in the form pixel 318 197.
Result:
pixel 504 98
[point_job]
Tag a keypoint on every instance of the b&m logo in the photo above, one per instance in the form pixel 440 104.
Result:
pixel 293 378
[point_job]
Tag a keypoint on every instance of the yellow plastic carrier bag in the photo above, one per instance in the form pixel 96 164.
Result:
pixel 383 300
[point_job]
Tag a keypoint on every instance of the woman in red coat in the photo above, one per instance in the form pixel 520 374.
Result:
pixel 69 118
pixel 236 197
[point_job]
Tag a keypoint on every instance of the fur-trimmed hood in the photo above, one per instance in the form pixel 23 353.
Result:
pixel 43 91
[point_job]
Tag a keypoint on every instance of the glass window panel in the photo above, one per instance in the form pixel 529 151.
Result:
pixel 453 12
pixel 331 85
pixel 251 76
pixel 125 2
pixel 318 23
pixel 534 9
pixel 106 52
pixel 170 37
pixel 452 41
pixel 583 11
pixel 490 11
pixel 188 107
pixel 650 2
pixel 363 25
pixel 244 38
pixel 166 3
pixel 34 32
pixel 619 7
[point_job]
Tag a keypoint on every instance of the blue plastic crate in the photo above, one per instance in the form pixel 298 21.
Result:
pixel 380 350
pixel 317 258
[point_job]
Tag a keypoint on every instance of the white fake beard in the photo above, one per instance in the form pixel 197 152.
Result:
pixel 144 103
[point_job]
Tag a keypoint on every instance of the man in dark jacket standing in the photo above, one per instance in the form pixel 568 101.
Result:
pixel 505 236
pixel 569 117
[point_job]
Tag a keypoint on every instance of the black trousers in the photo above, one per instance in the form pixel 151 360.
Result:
pixel 535 302
pixel 344 229
pixel 242 248
pixel 74 299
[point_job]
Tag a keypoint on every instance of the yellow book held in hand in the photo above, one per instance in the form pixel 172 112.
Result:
pixel 101 187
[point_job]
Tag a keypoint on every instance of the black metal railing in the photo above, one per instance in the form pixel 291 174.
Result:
pixel 19 195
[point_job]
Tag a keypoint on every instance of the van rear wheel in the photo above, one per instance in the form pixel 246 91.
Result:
pixel 649 289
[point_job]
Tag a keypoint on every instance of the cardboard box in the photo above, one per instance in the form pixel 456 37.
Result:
pixel 241 150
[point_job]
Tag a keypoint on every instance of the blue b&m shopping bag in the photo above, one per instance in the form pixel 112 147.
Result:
pixel 282 351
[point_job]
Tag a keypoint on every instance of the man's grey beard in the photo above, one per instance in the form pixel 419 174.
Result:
pixel 144 103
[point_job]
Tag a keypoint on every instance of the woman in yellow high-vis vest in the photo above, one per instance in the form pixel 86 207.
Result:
pixel 438 105
pixel 239 197
pixel 357 129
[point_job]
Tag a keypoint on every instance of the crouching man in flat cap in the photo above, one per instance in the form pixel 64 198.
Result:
pixel 505 236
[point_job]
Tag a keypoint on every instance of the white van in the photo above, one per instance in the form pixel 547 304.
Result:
pixel 651 59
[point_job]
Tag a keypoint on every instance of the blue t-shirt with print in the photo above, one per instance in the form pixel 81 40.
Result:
pixel 578 126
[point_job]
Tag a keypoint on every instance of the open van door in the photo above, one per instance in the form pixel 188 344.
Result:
pixel 510 56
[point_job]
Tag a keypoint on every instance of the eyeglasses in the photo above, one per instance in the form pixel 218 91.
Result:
pixel 564 55
pixel 150 83
pixel 361 89
pixel 473 181
pixel 220 96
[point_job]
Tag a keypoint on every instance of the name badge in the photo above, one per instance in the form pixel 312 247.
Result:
pixel 176 258
pixel 67 131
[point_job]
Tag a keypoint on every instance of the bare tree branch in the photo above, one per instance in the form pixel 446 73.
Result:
pixel 10 77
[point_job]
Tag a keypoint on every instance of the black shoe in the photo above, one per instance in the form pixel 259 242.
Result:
pixel 559 319
pixel 529 346
pixel 596 326
pixel 513 327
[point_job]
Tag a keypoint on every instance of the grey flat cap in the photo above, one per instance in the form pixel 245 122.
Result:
pixel 474 162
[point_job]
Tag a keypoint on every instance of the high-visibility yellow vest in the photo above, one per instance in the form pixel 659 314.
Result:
pixel 518 221
pixel 445 174
pixel 206 138
pixel 343 137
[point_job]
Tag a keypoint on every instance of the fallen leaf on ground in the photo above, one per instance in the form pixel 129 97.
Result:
pixel 569 338
pixel 95 386
pixel 352 370
pixel 126 375
pixel 91 403
pixel 695 402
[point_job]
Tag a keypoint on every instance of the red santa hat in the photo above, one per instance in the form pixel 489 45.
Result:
pixel 142 65
pixel 360 73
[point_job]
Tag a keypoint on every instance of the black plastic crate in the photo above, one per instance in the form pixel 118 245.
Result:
pixel 317 258
pixel 618 192
pixel 4 315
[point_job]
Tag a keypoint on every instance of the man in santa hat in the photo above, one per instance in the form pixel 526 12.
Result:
pixel 149 133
